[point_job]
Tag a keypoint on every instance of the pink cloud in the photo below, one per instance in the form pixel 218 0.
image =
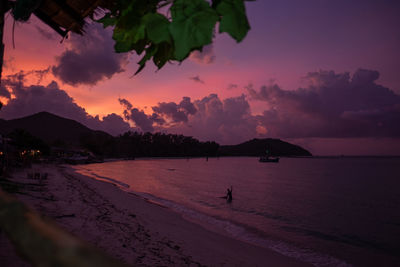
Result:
pixel 206 56
pixel 89 58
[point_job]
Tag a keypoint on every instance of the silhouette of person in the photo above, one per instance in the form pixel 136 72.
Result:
pixel 229 194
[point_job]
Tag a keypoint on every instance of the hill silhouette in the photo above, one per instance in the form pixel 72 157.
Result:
pixel 52 129
pixel 57 131
pixel 258 147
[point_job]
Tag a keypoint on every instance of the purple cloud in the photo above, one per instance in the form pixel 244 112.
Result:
pixel 158 119
pixel 176 112
pixel 333 105
pixel 226 121
pixel 187 106
pixel 89 58
pixel 141 119
pixel 197 79
pixel 171 110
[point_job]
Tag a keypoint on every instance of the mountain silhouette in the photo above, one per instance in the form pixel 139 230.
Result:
pixel 51 128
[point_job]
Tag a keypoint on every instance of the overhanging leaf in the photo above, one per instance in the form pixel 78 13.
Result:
pixel 107 20
pixel 157 27
pixel 192 25
pixel 150 51
pixel 165 52
pixel 234 20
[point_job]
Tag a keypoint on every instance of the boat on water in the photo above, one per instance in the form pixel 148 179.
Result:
pixel 268 159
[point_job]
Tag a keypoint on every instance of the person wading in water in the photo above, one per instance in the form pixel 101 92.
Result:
pixel 229 194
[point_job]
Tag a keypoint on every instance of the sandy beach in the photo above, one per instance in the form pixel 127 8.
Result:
pixel 128 227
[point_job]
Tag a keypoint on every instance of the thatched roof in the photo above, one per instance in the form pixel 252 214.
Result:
pixel 68 15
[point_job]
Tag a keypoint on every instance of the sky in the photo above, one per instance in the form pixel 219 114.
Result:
pixel 318 73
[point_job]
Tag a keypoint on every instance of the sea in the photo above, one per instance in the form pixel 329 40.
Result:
pixel 342 211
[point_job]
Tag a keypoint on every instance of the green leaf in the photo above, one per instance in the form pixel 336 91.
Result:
pixel 140 33
pixel 107 20
pixel 234 20
pixel 215 3
pixel 157 28
pixel 150 51
pixel 129 35
pixel 165 52
pixel 126 41
pixel 192 26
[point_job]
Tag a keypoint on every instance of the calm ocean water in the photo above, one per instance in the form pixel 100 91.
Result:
pixel 329 212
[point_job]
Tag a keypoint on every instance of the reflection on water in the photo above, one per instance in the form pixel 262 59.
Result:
pixel 346 207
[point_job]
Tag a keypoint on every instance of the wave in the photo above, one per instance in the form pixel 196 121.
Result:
pixel 242 233
pixel 89 173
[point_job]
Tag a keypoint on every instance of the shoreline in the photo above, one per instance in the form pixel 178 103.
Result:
pixel 230 229
pixel 128 227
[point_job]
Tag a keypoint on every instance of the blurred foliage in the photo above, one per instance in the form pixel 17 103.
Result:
pixel 42 243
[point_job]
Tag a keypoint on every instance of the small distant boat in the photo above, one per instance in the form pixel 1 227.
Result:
pixel 268 159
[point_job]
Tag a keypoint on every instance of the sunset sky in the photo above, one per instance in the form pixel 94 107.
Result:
pixel 318 73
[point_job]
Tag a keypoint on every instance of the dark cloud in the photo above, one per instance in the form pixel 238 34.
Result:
pixel 176 112
pixel 125 103
pixel 89 58
pixel 30 99
pixel 226 121
pixel 171 110
pixel 187 106
pixel 141 119
pixel 197 79
pixel 164 114
pixel 333 105
pixel 156 118
pixel 206 56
